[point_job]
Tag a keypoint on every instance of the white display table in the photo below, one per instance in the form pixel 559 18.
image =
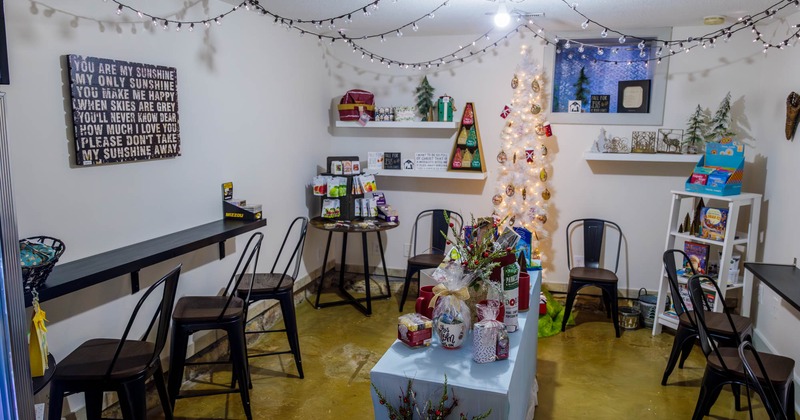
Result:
pixel 507 387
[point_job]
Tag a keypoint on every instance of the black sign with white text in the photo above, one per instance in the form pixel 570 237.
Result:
pixel 123 111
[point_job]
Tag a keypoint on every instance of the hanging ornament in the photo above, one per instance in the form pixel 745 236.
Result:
pixel 524 194
pixel 544 150
pixel 514 82
pixel 529 155
pixel 546 194
pixel 542 218
pixel 535 86
pixel 540 129
pixel 510 190
pixel 509 124
pixel 535 109
pixel 511 220
pixel 497 199
pixel 543 175
pixel 514 160
pixel 501 157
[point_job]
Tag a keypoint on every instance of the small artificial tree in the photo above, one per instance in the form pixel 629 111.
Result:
pixel 719 125
pixel 580 86
pixel 424 98
pixel 695 133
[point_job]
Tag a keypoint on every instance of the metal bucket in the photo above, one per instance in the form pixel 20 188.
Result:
pixel 629 317
pixel 647 306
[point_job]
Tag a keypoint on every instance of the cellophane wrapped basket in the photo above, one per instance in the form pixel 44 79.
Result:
pixel 38 256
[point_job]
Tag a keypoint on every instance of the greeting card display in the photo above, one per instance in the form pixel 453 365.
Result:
pixel 467 154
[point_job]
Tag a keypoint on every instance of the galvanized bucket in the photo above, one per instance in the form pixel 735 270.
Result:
pixel 629 317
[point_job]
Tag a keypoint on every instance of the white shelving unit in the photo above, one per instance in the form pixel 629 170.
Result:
pixel 733 238
pixel 412 173
pixel 398 124
pixel 641 157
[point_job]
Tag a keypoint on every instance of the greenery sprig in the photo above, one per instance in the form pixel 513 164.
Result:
pixel 475 248
pixel 408 407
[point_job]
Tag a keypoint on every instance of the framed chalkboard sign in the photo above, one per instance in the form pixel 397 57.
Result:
pixel 123 111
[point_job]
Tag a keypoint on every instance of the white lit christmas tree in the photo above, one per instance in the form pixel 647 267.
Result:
pixel 522 192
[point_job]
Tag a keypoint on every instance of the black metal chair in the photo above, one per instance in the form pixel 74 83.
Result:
pixel 686 335
pixel 119 365
pixel 280 286
pixel 227 313
pixel 724 365
pixel 433 254
pixel 593 273
pixel 762 384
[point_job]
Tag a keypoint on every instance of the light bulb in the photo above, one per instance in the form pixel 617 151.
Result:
pixel 502 18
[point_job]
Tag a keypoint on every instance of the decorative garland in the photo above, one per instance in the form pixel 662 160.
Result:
pixel 664 47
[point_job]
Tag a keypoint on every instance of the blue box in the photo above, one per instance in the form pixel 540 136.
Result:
pixel 727 156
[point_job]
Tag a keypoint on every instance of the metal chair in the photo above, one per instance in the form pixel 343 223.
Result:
pixel 724 365
pixel 686 335
pixel 762 384
pixel 227 313
pixel 433 254
pixel 280 285
pixel 120 365
pixel 592 273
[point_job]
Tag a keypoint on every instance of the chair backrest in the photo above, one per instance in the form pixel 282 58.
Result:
pixel 163 314
pixel 670 266
pixel 248 259
pixel 698 297
pixel 593 232
pixel 298 227
pixel 769 396
pixel 440 219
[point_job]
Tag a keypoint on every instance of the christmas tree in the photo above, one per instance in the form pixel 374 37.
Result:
pixel 580 87
pixel 695 132
pixel 522 193
pixel 424 99
pixel 721 122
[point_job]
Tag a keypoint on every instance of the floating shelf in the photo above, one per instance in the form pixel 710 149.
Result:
pixel 476 175
pixel 641 157
pixel 398 124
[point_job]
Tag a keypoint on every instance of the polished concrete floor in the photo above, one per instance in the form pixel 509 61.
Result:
pixel 584 373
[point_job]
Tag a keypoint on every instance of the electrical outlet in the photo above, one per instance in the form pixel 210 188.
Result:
pixel 406 250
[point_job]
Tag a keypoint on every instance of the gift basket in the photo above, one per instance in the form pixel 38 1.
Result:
pixel 38 255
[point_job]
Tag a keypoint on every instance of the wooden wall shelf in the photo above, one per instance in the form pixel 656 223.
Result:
pixel 79 274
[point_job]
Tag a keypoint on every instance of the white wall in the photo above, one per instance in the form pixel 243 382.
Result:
pixel 247 95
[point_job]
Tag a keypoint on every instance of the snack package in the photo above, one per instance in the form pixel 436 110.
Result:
pixel 415 330
pixel 336 167
pixel 511 293
pixel 485 332
pixel 331 208
pixel 452 316
pixel 320 183
pixel 368 181
pixel 333 186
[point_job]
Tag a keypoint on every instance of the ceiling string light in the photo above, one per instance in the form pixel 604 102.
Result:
pixel 643 44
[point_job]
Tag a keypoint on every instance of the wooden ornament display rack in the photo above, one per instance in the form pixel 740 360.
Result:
pixel 464 146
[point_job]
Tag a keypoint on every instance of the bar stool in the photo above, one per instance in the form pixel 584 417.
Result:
pixel 280 286
pixel 227 313
pixel 119 365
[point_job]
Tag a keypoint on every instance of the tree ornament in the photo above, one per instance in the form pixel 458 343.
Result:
pixel 524 194
pixel 542 218
pixel 510 190
pixel 514 82
pixel 497 199
pixel 424 98
pixel 546 194
pixel 501 157
pixel 535 86
pixel 511 220
pixel 543 175
pixel 514 159
pixel 544 150
pixel 540 129
pixel 535 109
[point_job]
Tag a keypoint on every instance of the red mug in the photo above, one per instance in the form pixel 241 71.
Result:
pixel 500 316
pixel 524 291
pixel 424 300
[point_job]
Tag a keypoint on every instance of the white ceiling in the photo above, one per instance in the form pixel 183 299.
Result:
pixel 474 16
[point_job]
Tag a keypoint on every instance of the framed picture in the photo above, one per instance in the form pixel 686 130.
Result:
pixel 590 69
pixel 4 79
pixel 670 140
pixel 643 142
pixel 633 96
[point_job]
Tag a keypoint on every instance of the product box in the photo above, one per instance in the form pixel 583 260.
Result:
pixel 235 208
pixel 354 102
pixel 415 330
pixel 713 222
pixel 445 108
pixel 722 169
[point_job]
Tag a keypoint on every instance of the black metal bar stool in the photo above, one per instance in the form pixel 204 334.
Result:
pixel 280 286
pixel 227 313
